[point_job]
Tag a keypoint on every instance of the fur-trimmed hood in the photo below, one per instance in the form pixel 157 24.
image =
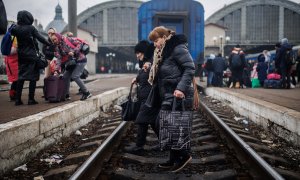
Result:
pixel 172 43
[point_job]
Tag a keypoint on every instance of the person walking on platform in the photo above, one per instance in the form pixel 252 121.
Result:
pixel 210 69
pixel 200 66
pixel 219 66
pixel 172 73
pixel 11 63
pixel 26 35
pixel 283 64
pixel 262 68
pixel 147 116
pixel 68 49
pixel 237 64
pixel 298 66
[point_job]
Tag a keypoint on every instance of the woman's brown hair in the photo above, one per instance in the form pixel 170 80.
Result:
pixel 159 32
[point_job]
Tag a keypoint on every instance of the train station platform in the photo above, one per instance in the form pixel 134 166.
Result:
pixel 27 129
pixel 277 110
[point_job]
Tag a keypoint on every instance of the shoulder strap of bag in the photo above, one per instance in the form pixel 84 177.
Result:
pixel 69 43
pixel 36 51
pixel 130 92
pixel 196 95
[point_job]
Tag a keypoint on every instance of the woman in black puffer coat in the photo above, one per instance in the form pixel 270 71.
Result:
pixel 144 52
pixel 26 35
pixel 172 71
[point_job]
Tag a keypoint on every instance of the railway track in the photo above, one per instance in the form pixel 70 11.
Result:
pixel 222 148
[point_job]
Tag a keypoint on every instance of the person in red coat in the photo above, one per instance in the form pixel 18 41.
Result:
pixel 11 62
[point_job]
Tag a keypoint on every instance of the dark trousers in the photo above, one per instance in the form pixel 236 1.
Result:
pixel 200 70
pixel 142 133
pixel 237 76
pixel 32 86
pixel 298 72
pixel 286 77
pixel 218 79
pixel 13 90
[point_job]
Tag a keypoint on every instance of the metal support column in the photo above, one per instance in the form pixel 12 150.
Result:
pixel 281 23
pixel 72 16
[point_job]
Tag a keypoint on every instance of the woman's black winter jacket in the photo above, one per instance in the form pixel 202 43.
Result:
pixel 26 35
pixel 176 71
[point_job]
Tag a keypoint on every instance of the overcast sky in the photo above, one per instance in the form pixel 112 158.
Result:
pixel 44 10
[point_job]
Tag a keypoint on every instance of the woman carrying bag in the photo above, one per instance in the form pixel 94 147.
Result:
pixel 68 52
pixel 172 73
pixel 26 35
pixel 146 116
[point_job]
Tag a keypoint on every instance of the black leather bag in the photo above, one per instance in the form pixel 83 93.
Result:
pixel 84 74
pixel 41 62
pixel 153 97
pixel 130 108
pixel 70 64
pixel 175 128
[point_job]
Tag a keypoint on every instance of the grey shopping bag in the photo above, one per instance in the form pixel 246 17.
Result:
pixel 175 128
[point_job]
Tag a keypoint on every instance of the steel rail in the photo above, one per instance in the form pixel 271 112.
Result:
pixel 247 153
pixel 87 169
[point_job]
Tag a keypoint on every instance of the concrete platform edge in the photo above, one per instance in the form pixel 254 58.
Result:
pixel 280 120
pixel 23 138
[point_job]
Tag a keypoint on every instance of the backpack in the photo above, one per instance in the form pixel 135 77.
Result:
pixel 7 41
pixel 85 48
pixel 236 61
pixel 289 58
pixel 209 65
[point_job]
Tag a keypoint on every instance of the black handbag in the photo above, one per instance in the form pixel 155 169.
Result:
pixel 175 128
pixel 130 108
pixel 41 62
pixel 84 74
pixel 70 64
pixel 153 97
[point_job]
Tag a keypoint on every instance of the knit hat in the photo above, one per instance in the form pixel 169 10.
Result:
pixel 141 47
pixel 149 52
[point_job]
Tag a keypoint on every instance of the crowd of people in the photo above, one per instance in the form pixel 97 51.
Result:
pixel 243 73
pixel 21 63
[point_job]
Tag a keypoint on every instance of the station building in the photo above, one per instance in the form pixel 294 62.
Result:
pixel 116 24
pixel 255 25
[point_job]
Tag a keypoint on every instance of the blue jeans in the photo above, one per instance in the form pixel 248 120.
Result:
pixel 210 75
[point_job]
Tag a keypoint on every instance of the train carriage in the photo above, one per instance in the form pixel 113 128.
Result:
pixel 185 17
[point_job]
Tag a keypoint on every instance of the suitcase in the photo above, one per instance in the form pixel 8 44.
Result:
pixel 274 76
pixel 55 88
pixel 273 83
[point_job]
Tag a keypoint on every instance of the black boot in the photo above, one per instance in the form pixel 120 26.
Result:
pixel 18 102
pixel 32 102
pixel 134 149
